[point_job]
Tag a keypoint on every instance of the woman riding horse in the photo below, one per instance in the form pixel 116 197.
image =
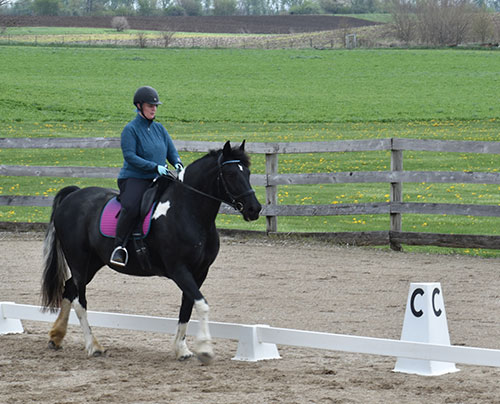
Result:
pixel 183 242
pixel 146 145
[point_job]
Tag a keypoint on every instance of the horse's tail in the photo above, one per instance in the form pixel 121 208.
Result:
pixel 55 268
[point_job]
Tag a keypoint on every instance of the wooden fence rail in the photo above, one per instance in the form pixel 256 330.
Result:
pixel 396 176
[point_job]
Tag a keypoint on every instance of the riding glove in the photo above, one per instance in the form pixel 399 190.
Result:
pixel 162 170
pixel 180 171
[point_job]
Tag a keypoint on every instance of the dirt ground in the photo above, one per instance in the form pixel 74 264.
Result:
pixel 293 284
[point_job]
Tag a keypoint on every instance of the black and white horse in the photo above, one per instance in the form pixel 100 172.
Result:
pixel 183 242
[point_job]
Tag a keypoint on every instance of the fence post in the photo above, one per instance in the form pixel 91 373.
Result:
pixel 396 195
pixel 271 191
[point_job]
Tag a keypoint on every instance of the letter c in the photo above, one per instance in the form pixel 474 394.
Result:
pixel 434 293
pixel 416 292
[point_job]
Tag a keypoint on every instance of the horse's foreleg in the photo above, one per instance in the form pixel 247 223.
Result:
pixel 92 347
pixel 181 350
pixel 60 326
pixel 203 345
pixel 191 293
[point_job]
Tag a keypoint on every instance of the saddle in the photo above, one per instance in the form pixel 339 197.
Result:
pixel 111 211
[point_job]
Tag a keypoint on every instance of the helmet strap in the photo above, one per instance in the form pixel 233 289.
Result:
pixel 142 112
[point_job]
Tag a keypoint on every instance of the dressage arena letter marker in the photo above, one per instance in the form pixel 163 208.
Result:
pixel 425 321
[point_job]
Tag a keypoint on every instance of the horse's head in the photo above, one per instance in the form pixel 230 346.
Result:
pixel 234 175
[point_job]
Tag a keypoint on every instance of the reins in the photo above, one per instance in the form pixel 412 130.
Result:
pixel 220 178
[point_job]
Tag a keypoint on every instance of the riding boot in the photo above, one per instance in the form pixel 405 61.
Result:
pixel 124 228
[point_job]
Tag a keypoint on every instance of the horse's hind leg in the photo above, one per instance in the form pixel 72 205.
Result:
pixel 74 295
pixel 92 346
pixel 60 326
pixel 79 302
pixel 58 330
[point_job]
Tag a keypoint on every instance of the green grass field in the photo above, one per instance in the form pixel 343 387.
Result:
pixel 250 86
pixel 263 96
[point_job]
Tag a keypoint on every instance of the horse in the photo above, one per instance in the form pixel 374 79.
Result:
pixel 182 244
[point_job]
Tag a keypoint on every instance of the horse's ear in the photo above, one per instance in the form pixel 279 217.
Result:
pixel 227 149
pixel 242 146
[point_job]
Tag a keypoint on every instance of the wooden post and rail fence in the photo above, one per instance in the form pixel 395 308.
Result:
pixel 272 179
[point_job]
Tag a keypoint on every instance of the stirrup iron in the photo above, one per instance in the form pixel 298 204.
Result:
pixel 119 263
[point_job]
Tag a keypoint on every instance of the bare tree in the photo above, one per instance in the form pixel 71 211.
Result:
pixel 141 39
pixel 167 37
pixel 496 27
pixel 483 27
pixel 6 21
pixel 120 24
pixel 443 22
pixel 403 19
pixel 4 2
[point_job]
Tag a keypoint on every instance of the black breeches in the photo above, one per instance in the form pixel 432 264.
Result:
pixel 131 192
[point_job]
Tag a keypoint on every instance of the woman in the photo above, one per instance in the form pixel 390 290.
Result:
pixel 146 145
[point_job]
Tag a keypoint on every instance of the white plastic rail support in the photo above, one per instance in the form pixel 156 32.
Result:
pixel 251 349
pixel 9 325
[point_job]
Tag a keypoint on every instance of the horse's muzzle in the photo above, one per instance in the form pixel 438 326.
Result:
pixel 251 210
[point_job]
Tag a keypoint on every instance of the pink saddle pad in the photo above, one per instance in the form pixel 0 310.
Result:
pixel 109 218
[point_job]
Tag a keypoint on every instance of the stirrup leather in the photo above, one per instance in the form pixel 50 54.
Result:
pixel 119 263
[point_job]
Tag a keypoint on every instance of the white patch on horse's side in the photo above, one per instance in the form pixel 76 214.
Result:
pixel 240 167
pixel 161 210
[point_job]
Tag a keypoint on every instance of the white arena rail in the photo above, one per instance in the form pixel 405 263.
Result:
pixel 379 346
pixel 258 342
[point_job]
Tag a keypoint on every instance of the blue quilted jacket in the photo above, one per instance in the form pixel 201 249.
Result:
pixel 145 145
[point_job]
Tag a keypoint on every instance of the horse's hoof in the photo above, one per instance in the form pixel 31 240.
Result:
pixel 98 353
pixel 206 358
pixel 54 346
pixel 185 357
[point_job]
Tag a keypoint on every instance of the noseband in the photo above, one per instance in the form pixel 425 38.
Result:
pixel 234 198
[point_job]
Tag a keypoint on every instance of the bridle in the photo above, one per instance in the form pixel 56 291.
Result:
pixel 233 202
pixel 234 198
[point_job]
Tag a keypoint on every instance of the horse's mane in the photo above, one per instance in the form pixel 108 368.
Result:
pixel 236 154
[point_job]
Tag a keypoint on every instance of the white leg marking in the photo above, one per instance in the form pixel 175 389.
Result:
pixel 181 350
pixel 203 348
pixel 161 209
pixel 92 347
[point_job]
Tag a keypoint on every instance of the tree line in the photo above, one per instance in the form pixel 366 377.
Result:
pixel 233 7
pixel 444 22
pixel 187 7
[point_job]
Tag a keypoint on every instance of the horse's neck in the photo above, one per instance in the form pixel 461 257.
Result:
pixel 202 176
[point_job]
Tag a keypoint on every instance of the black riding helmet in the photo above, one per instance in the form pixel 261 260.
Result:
pixel 146 94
